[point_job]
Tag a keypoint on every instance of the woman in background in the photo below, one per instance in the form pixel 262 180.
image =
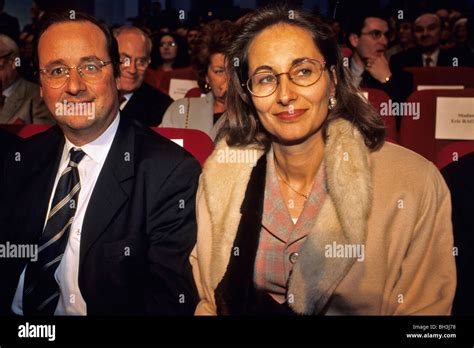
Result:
pixel 169 52
pixel 209 61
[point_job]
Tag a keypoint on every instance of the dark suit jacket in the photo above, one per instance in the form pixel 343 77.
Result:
pixel 139 227
pixel 413 57
pixel 7 141
pixel 459 177
pixel 147 105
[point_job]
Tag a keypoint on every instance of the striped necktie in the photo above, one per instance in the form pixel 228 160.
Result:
pixel 40 290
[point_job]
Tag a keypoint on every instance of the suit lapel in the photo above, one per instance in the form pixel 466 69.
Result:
pixel 111 190
pixel 40 179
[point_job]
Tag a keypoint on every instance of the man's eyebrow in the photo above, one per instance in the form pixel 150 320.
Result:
pixel 83 59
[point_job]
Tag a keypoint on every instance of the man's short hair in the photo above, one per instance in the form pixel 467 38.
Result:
pixel 128 28
pixel 10 44
pixel 52 18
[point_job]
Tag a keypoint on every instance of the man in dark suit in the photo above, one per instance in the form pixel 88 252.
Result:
pixel 108 202
pixel 428 53
pixel 459 177
pixel 139 100
pixel 7 140
pixel 368 36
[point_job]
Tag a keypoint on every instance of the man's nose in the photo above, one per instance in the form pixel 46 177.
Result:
pixel 75 83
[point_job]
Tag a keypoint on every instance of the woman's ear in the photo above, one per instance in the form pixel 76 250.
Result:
pixel 333 73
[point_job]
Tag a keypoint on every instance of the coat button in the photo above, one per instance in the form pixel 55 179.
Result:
pixel 293 257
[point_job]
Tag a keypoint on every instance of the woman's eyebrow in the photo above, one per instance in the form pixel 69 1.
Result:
pixel 294 61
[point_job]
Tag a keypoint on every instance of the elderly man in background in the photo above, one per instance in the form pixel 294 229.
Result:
pixel 138 99
pixel 20 101
pixel 428 53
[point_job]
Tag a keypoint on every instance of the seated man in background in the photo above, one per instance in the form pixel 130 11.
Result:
pixel 368 36
pixel 110 204
pixel 427 52
pixel 20 101
pixel 138 99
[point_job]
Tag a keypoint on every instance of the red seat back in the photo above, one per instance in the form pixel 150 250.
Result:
pixel 442 76
pixel 377 98
pixel 453 152
pixel 194 141
pixel 419 135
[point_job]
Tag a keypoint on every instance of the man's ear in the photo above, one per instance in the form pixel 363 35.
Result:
pixel 41 90
pixel 117 83
pixel 354 39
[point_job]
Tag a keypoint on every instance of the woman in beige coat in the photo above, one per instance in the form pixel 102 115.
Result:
pixel 302 208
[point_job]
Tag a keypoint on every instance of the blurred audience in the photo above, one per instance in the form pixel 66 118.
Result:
pixel 20 101
pixel 428 53
pixel 138 99
pixel 404 38
pixel 8 24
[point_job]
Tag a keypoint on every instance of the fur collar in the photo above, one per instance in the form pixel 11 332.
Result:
pixel 342 219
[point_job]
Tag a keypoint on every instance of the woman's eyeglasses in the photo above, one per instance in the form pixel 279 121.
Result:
pixel 304 73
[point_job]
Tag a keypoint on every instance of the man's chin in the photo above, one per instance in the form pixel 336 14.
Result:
pixel 75 122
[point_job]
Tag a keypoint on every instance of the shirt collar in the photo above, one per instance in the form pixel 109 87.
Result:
pixel 356 69
pixel 98 149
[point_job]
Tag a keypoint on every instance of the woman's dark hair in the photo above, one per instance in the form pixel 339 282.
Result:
pixel 215 38
pixel 182 56
pixel 242 126
pixel 52 18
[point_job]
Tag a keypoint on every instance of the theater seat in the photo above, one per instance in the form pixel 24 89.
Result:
pixel 453 152
pixel 194 141
pixel 463 76
pixel 194 93
pixel 377 97
pixel 419 135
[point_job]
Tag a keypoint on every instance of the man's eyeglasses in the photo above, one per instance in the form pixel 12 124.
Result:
pixel 167 44
pixel 140 63
pixel 56 75
pixel 304 73
pixel 377 34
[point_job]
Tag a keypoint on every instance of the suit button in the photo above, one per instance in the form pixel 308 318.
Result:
pixel 294 257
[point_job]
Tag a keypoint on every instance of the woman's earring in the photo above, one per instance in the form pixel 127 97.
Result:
pixel 332 102
pixel 207 87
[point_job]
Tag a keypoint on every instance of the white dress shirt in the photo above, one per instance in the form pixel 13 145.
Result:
pixel 70 299
pixel 357 72
pixel 434 58
pixel 127 99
